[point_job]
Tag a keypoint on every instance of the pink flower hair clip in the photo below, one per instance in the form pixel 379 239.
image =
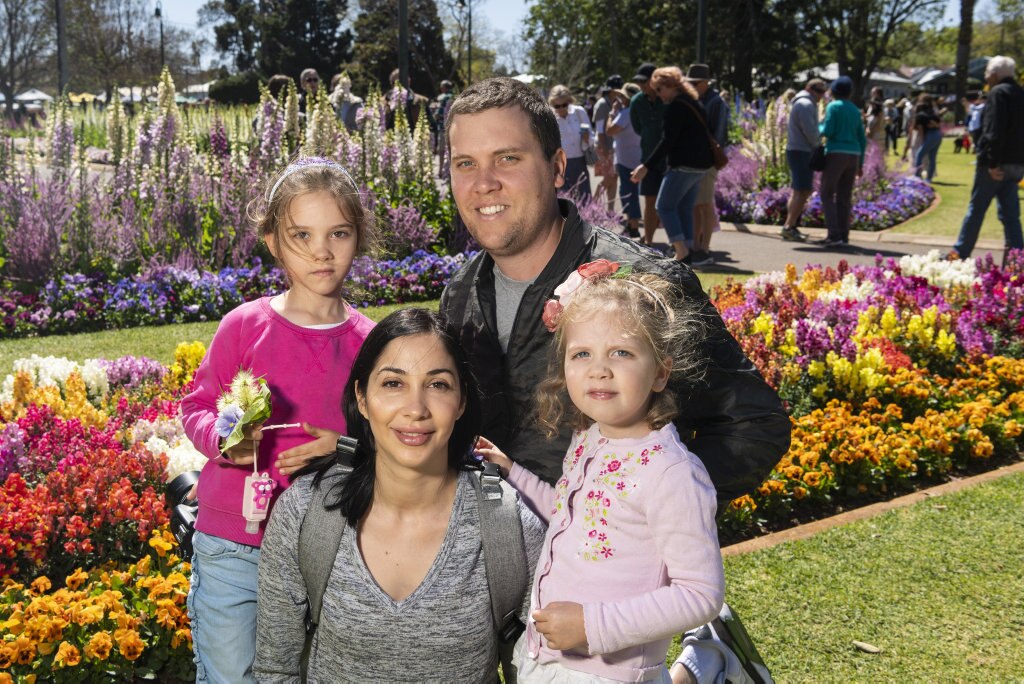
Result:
pixel 601 268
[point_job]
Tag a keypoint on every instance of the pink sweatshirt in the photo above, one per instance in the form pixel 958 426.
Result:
pixel 632 538
pixel 306 370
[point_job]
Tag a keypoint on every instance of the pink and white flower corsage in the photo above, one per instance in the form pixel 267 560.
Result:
pixel 601 268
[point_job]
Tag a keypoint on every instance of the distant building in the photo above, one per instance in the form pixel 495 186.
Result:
pixel 942 80
pixel 893 84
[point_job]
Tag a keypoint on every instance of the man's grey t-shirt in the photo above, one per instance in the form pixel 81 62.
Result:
pixel 507 295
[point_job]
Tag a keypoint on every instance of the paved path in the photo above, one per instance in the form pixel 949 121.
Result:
pixel 746 248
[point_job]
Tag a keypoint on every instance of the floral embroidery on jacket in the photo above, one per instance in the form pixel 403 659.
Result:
pixel 612 481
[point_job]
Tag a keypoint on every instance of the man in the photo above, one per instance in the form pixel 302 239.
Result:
pixel 645 113
pixel 705 216
pixel 605 166
pixel 439 113
pixel 802 134
pixel 1000 164
pixel 507 166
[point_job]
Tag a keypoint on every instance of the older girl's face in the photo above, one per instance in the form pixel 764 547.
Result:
pixel 412 400
pixel 667 92
pixel 561 107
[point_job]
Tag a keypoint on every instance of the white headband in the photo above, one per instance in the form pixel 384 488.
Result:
pixel 306 163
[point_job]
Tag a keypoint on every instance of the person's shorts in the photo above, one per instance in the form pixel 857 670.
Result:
pixel 801 176
pixel 706 192
pixel 651 183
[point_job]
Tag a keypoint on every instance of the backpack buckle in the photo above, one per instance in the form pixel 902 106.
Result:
pixel 490 482
pixel 511 627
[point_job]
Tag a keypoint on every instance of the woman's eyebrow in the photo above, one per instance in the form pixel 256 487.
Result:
pixel 399 371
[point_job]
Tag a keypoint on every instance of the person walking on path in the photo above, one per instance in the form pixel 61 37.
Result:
pixel 1000 163
pixel 974 113
pixel 705 215
pixel 685 150
pixel 531 242
pixel 929 130
pixel 845 143
pixel 574 129
pixel 626 145
pixel 802 138
pixel 645 115
pixel 605 166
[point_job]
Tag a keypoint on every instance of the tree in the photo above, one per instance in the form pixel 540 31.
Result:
pixel 26 41
pixel 375 53
pixel 963 54
pixel 280 36
pixel 859 33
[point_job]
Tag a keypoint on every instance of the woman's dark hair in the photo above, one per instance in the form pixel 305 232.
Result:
pixel 356 493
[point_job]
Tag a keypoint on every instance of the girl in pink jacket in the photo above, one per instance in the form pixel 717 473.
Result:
pixel 303 343
pixel 631 555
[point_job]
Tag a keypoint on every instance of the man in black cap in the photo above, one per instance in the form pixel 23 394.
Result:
pixel 645 113
pixel 705 216
pixel 605 166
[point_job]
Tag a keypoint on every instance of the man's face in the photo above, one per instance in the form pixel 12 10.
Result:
pixel 700 86
pixel 646 87
pixel 504 187
pixel 310 82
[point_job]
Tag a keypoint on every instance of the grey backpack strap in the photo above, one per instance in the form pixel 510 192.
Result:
pixel 505 564
pixel 319 539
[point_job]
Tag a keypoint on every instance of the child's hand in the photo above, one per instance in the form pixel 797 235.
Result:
pixel 295 458
pixel 244 452
pixel 492 454
pixel 561 625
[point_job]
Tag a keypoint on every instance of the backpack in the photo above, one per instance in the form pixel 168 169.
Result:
pixel 501 533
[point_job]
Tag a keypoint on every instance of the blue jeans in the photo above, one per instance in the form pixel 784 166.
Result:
pixel 222 609
pixel 675 202
pixel 629 193
pixel 1005 194
pixel 930 149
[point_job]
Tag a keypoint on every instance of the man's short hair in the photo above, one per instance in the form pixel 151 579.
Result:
pixel 277 83
pixel 817 85
pixel 1002 67
pixel 500 92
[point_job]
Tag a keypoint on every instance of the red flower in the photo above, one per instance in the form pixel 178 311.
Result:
pixel 601 267
pixel 613 466
pixel 552 310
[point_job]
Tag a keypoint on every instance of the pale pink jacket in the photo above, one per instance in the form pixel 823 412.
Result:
pixel 632 538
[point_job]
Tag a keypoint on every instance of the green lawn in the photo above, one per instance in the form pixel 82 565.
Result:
pixel 939 587
pixel 953 180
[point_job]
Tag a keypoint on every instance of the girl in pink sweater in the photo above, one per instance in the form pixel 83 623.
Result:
pixel 302 342
pixel 631 555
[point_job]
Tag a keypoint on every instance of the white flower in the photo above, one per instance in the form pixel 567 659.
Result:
pixel 848 289
pixel 183 457
pixel 939 272
pixel 53 371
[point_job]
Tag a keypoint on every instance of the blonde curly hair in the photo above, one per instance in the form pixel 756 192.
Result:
pixel 650 308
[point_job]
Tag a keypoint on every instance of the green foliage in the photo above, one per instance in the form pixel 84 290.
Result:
pixel 243 88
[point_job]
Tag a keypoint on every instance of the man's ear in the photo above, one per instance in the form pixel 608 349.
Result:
pixel 558 164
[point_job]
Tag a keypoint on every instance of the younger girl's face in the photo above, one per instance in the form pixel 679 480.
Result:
pixel 612 374
pixel 315 245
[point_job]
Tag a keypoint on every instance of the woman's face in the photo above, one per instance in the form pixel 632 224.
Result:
pixel 666 91
pixel 412 400
pixel 561 107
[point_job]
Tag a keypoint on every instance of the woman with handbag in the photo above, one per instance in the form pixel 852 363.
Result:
pixel 686 144
pixel 574 126
pixel 845 142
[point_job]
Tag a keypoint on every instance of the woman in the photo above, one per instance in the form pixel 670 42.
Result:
pixel 407 598
pixel 684 142
pixel 845 143
pixel 928 126
pixel 574 125
pixel 626 146
pixel 876 126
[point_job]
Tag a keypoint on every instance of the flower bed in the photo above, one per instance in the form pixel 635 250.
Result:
pixel 896 373
pixel 754 187
pixel 79 303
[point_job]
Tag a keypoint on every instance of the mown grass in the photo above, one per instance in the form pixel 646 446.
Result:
pixel 953 181
pixel 938 586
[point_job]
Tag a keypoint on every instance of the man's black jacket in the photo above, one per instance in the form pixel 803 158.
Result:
pixel 1002 126
pixel 734 422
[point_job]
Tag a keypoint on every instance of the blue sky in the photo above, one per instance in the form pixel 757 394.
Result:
pixel 504 15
